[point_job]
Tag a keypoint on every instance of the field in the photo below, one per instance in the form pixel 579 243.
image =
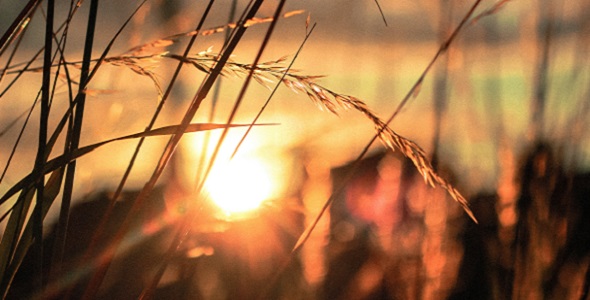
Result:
pixel 257 149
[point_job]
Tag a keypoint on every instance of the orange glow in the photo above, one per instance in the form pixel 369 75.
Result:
pixel 240 185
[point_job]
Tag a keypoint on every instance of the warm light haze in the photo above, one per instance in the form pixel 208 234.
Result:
pixel 176 149
pixel 240 185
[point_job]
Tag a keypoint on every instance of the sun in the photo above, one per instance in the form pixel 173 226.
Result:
pixel 240 185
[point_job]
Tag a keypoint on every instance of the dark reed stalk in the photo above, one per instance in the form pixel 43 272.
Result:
pixel 14 51
pixel 13 252
pixel 11 234
pixel 41 151
pixel 381 12
pixel 74 137
pixel 53 185
pixel 18 25
pixel 65 25
pixel 67 158
pixel 61 43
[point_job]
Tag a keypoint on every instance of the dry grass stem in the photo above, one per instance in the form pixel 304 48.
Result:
pixel 490 11
pixel 169 40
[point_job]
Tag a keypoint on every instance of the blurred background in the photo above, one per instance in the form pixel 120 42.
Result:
pixel 502 115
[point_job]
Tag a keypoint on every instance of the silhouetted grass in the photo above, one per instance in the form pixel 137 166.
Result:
pixel 84 276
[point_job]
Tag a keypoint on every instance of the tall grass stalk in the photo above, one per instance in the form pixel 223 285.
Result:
pixel 165 96
pixel 174 140
pixel 14 50
pixel 97 235
pixel 18 25
pixel 41 150
pixel 74 136
pixel 12 248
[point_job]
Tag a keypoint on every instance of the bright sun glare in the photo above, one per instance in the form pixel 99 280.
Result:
pixel 240 185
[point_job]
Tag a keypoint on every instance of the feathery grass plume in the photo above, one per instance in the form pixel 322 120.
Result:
pixel 390 139
pixel 134 58
pixel 308 32
pixel 327 99
pixel 266 72
pixel 171 39
pixel 134 64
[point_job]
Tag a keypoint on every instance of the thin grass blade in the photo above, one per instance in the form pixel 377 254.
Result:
pixel 17 25
pixel 22 245
pixel 62 160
